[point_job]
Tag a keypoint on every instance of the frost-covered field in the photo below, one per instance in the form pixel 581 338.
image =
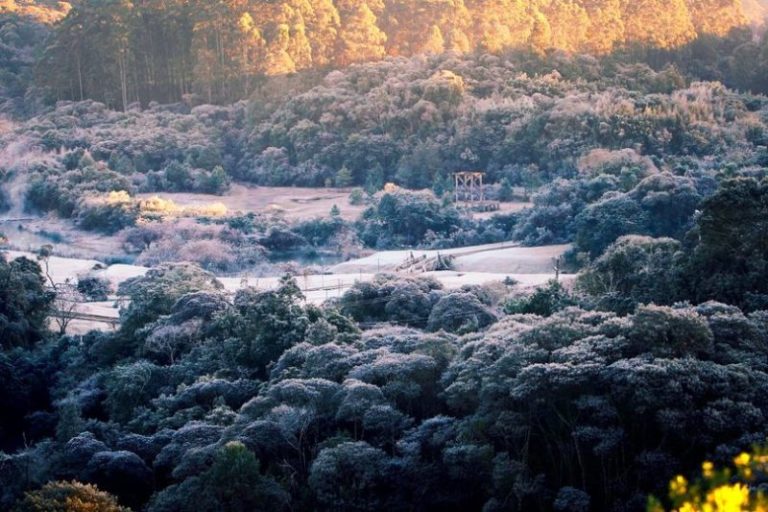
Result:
pixel 529 266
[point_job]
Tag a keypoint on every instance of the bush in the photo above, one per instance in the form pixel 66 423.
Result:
pixel 69 497
pixel 460 313
pixel 634 270
pixel 94 288
pixel 390 298
pixel 403 219
pixel 544 301
pixel 107 214
pixel 600 224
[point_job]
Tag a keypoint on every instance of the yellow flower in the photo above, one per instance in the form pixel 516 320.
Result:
pixel 708 469
pixel 687 507
pixel 678 486
pixel 742 460
pixel 729 498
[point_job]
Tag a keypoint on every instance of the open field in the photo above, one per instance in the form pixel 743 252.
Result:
pixel 529 266
pixel 27 232
pixel 294 203
pixel 501 258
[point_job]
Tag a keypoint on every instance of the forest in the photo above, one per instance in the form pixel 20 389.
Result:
pixel 122 52
pixel 635 132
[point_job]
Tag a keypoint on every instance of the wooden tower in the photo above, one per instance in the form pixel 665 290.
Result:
pixel 469 188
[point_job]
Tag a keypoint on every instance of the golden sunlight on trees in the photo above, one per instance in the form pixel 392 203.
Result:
pixel 124 52
pixel 360 38
pixel 661 24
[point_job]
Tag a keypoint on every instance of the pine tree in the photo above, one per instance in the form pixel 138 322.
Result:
pixel 506 193
pixel 344 177
pixel 360 38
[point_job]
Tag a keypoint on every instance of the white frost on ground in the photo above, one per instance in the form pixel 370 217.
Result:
pixel 529 266
pixel 499 258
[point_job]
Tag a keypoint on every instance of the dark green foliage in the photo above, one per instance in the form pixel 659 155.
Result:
pixel 92 214
pixel 389 298
pixel 122 474
pixel 24 303
pixel 320 232
pixel 597 390
pixel 94 288
pixel 21 38
pixel 601 223
pixel 406 219
pixel 5 201
pixel 266 323
pixel 669 202
pixel 505 190
pixel 233 482
pixel 268 404
pixel 24 390
pixel 460 313
pixel 543 301
pixel 635 270
pixel 351 476
pixel 730 260
pixel 155 294
pixel 64 191
pixel 281 240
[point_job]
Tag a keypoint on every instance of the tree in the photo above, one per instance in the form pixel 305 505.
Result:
pixel 67 295
pixel 601 223
pixel 635 270
pixel 344 178
pixel 123 474
pixel 266 323
pixel 460 313
pixel 154 294
pixel 544 301
pixel 505 191
pixel 360 38
pixel 350 476
pixel 647 23
pixel 233 482
pixel 729 262
pixel 24 303
pixel 69 497
pixel 66 305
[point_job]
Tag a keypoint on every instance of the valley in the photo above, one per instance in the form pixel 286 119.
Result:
pixel 401 255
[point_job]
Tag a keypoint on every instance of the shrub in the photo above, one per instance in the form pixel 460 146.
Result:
pixel 69 497
pixel 544 301
pixel 94 288
pixel 460 313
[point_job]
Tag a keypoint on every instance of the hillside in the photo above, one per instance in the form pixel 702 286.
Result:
pixel 223 50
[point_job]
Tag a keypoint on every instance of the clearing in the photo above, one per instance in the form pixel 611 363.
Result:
pixel 294 203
